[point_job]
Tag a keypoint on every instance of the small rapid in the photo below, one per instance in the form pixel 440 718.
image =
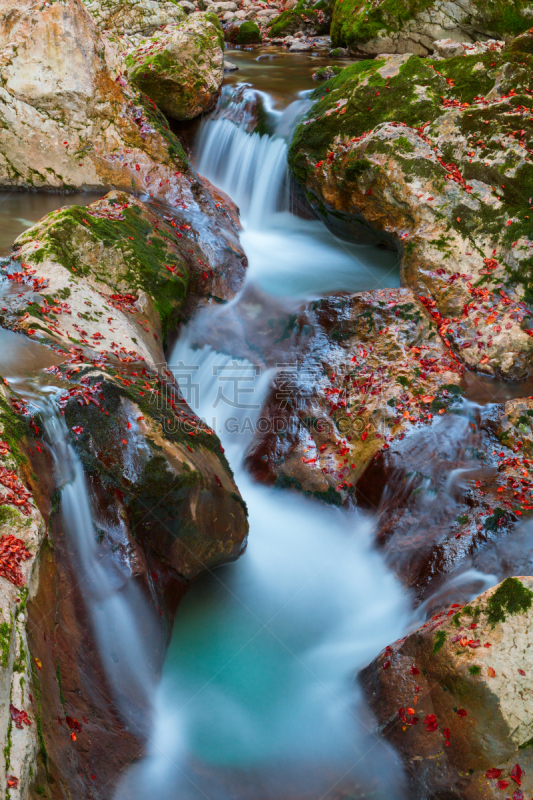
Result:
pixel 258 696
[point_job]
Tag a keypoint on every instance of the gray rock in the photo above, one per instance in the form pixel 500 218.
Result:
pixel 300 47
pixel 188 7
pixel 229 66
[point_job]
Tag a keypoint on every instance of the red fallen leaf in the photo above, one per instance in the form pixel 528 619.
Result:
pixel 516 774
pixel 129 426
pixel 431 722
pixel 124 441
pixel 401 711
pixel 73 723
pixel 415 671
pixel 19 717
pixel 77 429
pixel 410 711
pixel 493 773
pixel 502 784
pixel 491 672
pixel 12 782
pixel 521 672
pixel 518 794
pixel 363 437
pixel 385 665
pixel 446 733
pixel 461 712
pixel 73 736
pixel 219 482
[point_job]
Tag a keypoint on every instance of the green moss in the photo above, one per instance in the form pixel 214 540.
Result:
pixel 72 234
pixel 474 669
pixel 525 745
pixel 511 597
pixel 59 679
pixel 438 642
pixel 248 33
pixel 5 643
pixel 289 22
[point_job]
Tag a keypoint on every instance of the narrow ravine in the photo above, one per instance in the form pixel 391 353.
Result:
pixel 258 697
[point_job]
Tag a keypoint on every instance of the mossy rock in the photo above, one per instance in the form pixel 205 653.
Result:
pixel 244 33
pixel 356 23
pixel 290 22
pixel 181 68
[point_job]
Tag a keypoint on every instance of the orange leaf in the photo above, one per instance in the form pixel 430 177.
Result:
pixel 491 673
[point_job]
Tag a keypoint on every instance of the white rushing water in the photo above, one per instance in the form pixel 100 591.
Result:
pixel 258 697
pixel 125 628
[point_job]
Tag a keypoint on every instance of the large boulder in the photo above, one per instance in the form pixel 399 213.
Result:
pixel 442 173
pixel 181 68
pixel 454 697
pixel 69 120
pixel 100 287
pixel 129 17
pixel 369 368
pixel 406 26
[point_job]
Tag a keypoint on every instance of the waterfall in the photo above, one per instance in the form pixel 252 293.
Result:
pixel 116 607
pixel 250 168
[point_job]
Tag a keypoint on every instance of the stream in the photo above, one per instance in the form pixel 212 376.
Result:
pixel 258 697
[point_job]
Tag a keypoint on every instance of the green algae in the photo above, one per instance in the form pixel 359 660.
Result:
pixel 511 597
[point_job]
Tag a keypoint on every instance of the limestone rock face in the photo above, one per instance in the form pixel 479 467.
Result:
pixel 128 17
pixel 455 696
pixel 388 26
pixel 370 367
pixel 443 174
pixel 181 68
pixel 67 120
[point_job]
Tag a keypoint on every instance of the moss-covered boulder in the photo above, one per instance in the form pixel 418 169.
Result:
pixel 181 68
pixel 130 17
pixel 454 697
pixel 243 33
pixel 290 22
pixel 411 26
pixel 116 247
pixel 434 157
pixel 369 368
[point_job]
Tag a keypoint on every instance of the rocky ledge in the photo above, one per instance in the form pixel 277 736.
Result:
pixel 443 173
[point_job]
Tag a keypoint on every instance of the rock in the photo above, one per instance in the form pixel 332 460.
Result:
pixel 262 21
pixel 230 15
pixel 68 121
pixel 128 17
pixel 453 697
pixel 448 48
pixel 109 282
pixel 189 8
pixel 240 14
pixel 368 368
pixel 290 4
pixel 22 533
pixel 181 68
pixel 404 27
pixel 289 22
pixel 339 52
pixel 300 47
pixel 220 8
pixel 325 73
pixel 243 33
pixel 443 178
pixel 229 66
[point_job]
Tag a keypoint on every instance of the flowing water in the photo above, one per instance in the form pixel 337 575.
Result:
pixel 258 697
